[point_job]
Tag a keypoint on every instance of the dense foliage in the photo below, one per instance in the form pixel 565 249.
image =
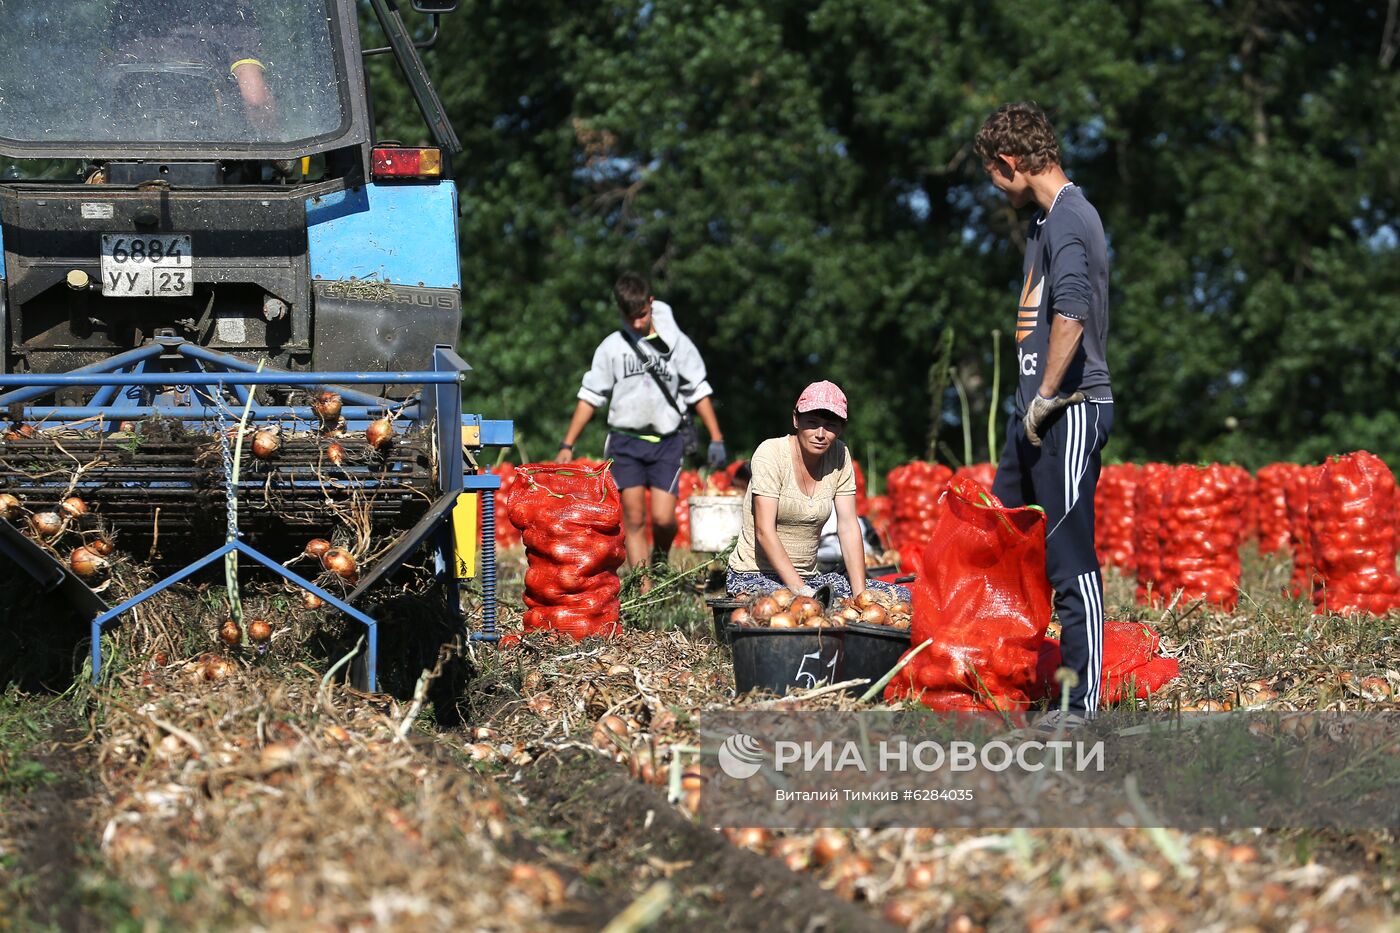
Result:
pixel 798 180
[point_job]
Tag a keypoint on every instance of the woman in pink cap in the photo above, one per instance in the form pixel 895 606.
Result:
pixel 797 479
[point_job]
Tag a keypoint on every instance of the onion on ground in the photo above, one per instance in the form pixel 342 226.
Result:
pixel 828 845
pixel 753 838
pixel 215 668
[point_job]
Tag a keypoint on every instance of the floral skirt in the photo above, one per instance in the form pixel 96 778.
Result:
pixel 736 583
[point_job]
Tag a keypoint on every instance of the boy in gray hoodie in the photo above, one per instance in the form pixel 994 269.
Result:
pixel 643 423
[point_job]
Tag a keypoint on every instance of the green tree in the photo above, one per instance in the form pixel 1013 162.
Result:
pixel 797 179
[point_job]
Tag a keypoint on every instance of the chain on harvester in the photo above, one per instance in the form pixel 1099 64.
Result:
pixel 226 455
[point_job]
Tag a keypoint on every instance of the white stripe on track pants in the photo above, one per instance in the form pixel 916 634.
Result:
pixel 1061 476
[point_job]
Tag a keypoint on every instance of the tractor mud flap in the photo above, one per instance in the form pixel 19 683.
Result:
pixel 375 327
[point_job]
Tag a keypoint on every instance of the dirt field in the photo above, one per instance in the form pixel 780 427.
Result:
pixel 190 794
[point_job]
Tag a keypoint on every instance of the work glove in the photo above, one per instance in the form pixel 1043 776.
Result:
pixel 717 455
pixel 1041 410
pixel 804 590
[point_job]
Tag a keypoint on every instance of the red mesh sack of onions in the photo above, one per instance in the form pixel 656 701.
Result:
pixel 984 602
pixel 571 522
pixel 1131 666
pixel 1147 517
pixel 719 481
pixel 1113 515
pixel 985 474
pixel 1202 525
pixel 689 484
pixel 1351 520
pixel 862 500
pixel 914 490
pixel 878 511
pixel 507 535
pixel 1300 584
pixel 1271 506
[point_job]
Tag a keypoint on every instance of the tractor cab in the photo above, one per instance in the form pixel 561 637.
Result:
pixel 206 170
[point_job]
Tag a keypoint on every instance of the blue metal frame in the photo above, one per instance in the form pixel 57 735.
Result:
pixel 372 627
pixel 207 372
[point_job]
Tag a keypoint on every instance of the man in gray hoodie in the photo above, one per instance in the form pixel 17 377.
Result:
pixel 630 368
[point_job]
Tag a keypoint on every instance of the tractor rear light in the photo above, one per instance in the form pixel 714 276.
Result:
pixel 395 162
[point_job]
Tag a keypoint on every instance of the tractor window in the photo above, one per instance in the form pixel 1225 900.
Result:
pixel 169 71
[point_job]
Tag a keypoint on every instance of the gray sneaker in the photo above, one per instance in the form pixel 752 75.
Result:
pixel 1063 721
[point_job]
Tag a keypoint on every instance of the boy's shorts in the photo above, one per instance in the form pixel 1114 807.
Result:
pixel 654 464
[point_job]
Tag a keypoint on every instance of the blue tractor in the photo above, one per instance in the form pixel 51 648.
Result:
pixel 204 243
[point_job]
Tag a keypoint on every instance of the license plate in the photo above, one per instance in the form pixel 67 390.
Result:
pixel 155 266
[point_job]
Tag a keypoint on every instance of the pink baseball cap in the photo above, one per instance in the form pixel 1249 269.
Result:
pixel 823 396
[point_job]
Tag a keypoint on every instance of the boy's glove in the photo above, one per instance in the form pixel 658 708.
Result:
pixel 717 455
pixel 1041 410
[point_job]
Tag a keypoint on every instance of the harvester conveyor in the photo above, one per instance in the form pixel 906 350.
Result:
pixel 161 478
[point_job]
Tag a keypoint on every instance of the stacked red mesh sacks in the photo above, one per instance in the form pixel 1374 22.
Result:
pixel 1351 520
pixel 1245 489
pixel 983 601
pixel 571 522
pixel 1300 584
pixel 1271 506
pixel 915 489
pixel 1201 527
pixel 1113 515
pixel 862 500
pixel 1147 517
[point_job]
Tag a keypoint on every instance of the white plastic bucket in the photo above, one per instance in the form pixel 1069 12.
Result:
pixel 715 521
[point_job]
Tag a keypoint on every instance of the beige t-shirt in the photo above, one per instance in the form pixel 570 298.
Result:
pixel 800 517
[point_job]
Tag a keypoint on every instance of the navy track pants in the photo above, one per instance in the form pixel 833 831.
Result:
pixel 1061 476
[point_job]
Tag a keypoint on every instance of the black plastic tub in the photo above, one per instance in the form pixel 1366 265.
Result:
pixel 782 659
pixel 883 570
pixel 871 650
pixel 722 607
